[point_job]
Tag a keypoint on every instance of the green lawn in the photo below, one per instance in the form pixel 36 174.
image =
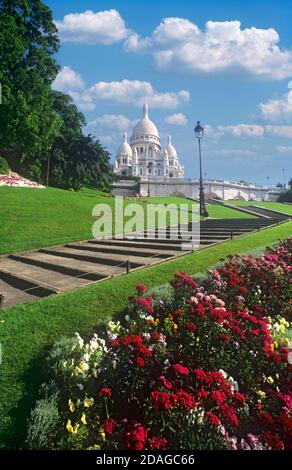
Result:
pixel 34 218
pixel 27 331
pixel 277 206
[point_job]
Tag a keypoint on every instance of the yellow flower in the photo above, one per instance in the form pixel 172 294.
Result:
pixel 69 426
pixel 72 430
pixel 102 434
pixel 83 419
pixel 88 402
pixel 270 380
pixel 277 376
pixel 276 345
pixel 71 406
pixel 261 394
pixel 174 326
pixel 95 447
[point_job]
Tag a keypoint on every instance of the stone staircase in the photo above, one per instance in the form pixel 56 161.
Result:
pixel 31 275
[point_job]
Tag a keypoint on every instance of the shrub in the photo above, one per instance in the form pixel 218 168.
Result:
pixel 43 422
pixel 4 167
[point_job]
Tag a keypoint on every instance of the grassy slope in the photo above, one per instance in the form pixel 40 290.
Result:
pixel 26 331
pixel 33 218
pixel 277 206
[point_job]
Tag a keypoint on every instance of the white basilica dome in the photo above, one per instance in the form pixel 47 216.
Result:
pixel 170 148
pixel 124 148
pixel 145 126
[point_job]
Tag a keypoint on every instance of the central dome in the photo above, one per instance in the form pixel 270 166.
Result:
pixel 145 125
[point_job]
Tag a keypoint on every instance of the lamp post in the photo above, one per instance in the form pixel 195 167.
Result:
pixel 149 167
pixel 199 133
pixel 284 178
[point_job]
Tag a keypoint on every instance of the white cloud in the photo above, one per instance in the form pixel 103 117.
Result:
pixel 113 122
pixel 239 130
pixel 133 92
pixel 248 130
pixel 231 152
pixel 67 79
pixel 82 99
pixel 136 92
pixel 284 149
pixel 103 27
pixel 178 45
pixel 177 119
pixel 280 131
pixel 276 110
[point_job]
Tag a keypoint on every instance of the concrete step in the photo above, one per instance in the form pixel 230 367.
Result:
pixel 20 290
pixel 72 267
pixel 266 212
pixel 142 243
pixel 56 280
pixel 93 257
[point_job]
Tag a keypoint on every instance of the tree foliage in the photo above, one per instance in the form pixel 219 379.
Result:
pixel 41 130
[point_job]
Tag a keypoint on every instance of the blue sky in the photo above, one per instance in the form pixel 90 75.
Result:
pixel 222 62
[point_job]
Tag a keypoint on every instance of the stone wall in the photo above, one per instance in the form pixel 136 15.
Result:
pixel 222 189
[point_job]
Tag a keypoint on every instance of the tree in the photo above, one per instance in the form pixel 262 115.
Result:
pixel 290 183
pixel 28 41
pixel 76 160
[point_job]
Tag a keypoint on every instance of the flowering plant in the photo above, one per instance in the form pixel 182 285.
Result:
pixel 203 371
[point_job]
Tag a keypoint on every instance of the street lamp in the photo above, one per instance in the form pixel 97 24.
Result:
pixel 284 179
pixel 149 167
pixel 199 133
pixel 268 181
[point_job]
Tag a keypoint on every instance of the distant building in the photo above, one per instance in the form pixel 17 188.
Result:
pixel 144 157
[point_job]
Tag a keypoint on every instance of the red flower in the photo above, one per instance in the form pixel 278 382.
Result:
pixel 198 310
pixel 136 437
pixel 105 392
pixel 144 302
pixel 213 419
pixel 228 413
pixel 185 399
pixel 178 313
pixel 239 398
pixel 243 289
pixel 157 443
pixel 141 288
pixel 273 441
pixel 142 349
pixel 166 383
pixel 139 361
pixel 218 397
pixel 162 400
pixel 191 327
pixel 181 369
pixel 266 417
pixel 200 375
pixel 109 426
pixel 225 338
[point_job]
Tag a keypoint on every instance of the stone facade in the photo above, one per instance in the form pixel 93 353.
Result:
pixel 144 157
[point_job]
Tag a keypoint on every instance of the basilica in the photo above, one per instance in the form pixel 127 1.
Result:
pixel 144 157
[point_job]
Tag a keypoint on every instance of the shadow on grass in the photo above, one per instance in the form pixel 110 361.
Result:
pixel 33 377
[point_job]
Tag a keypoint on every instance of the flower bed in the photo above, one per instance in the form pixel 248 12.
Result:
pixel 18 182
pixel 207 370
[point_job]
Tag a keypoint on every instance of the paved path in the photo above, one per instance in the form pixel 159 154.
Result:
pixel 28 276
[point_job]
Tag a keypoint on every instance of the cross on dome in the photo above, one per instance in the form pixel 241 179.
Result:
pixel 145 110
